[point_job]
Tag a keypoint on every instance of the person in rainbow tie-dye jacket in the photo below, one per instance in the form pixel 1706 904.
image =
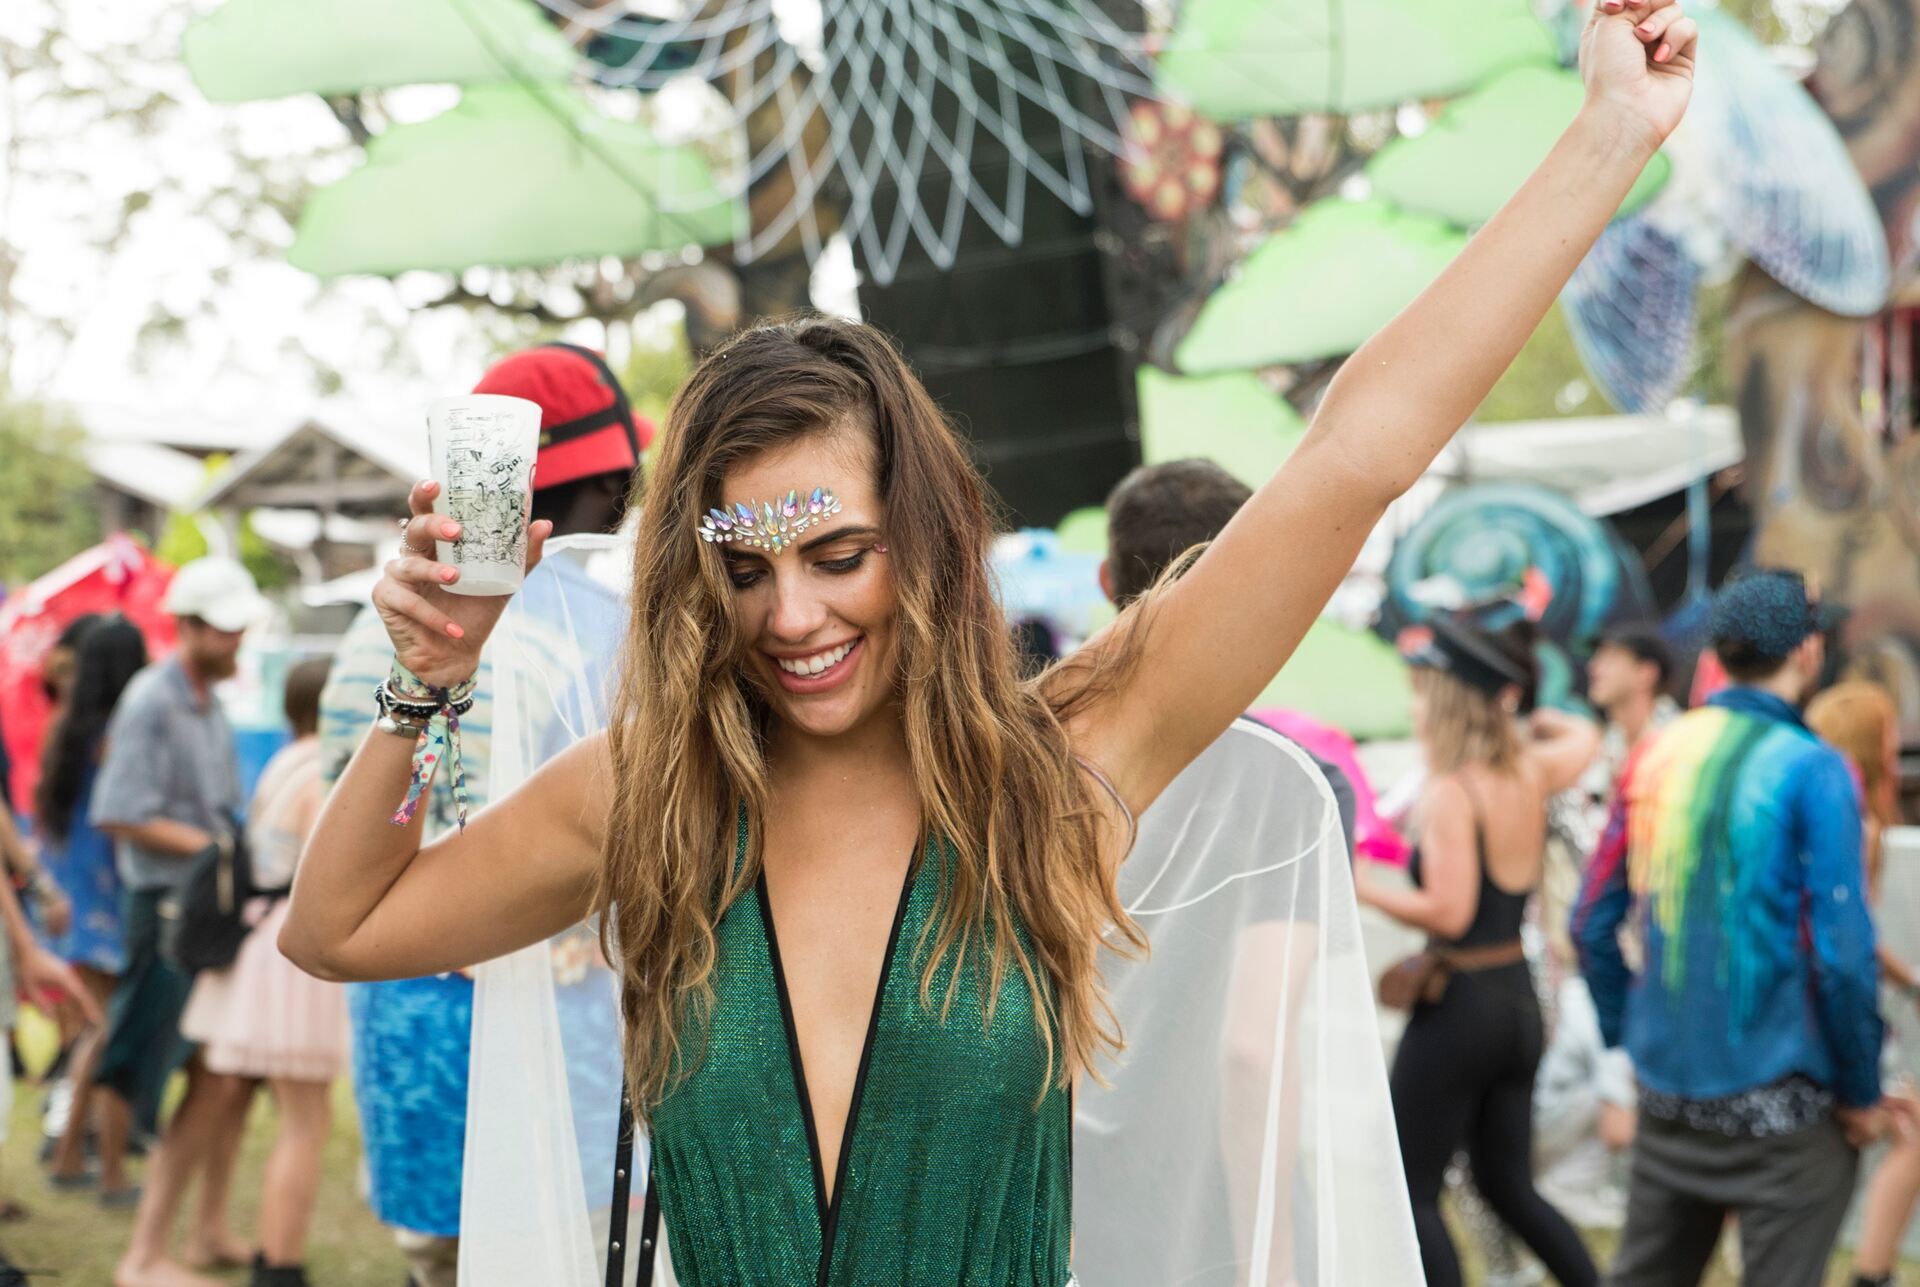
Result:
pixel 1733 853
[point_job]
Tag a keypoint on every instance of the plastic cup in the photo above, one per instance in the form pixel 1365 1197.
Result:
pixel 483 445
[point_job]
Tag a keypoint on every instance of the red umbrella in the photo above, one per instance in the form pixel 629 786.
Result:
pixel 117 575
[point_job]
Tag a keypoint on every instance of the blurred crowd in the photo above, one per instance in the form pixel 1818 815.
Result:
pixel 1649 996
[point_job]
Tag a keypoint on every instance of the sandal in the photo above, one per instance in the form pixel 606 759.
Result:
pixel 120 1199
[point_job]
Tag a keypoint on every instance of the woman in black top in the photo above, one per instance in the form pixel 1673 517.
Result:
pixel 1463 1076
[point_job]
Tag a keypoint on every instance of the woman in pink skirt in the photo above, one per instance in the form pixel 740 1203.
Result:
pixel 263 1018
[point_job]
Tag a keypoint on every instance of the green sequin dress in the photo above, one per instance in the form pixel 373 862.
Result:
pixel 948 1173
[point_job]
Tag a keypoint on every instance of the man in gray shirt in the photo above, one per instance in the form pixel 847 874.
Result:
pixel 169 784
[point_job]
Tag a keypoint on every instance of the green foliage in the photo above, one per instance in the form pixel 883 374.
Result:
pixel 1710 383
pixel 184 539
pixel 654 373
pixel 271 569
pixel 181 540
pixel 1545 381
pixel 47 514
pixel 1548 380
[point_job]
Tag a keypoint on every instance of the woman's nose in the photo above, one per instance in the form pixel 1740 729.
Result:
pixel 797 610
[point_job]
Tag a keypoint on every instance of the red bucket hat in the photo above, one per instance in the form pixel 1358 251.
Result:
pixel 586 426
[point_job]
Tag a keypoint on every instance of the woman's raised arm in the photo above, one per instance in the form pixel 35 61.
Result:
pixel 368 901
pixel 1212 642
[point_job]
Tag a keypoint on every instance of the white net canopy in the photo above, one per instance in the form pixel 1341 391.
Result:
pixel 1244 1137
pixel 900 111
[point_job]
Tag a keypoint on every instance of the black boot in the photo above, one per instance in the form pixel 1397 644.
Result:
pixel 266 1275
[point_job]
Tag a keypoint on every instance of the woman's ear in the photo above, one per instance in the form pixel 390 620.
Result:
pixel 1510 699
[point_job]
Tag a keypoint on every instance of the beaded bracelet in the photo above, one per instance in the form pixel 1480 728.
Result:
pixel 407 698
pixel 402 708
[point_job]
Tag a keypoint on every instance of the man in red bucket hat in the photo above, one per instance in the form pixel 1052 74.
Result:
pixel 590 440
pixel 411 1036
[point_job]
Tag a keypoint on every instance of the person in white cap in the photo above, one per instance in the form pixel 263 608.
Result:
pixel 169 784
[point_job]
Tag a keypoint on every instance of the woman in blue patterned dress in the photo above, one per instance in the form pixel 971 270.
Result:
pixel 79 857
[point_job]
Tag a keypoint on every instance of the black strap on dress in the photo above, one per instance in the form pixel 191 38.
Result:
pixel 622 1197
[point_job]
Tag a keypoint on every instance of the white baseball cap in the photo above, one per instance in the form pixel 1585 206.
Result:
pixel 219 591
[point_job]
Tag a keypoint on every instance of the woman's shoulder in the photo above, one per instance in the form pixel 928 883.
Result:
pixel 1484 794
pixel 1449 791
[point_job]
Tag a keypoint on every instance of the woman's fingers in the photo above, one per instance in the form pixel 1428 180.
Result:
pixel 1635 9
pixel 537 534
pixel 424 529
pixel 1655 25
pixel 1683 37
pixel 421 570
pixel 395 597
pixel 420 499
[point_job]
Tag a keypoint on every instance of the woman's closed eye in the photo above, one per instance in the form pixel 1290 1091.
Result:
pixel 747 575
pixel 840 567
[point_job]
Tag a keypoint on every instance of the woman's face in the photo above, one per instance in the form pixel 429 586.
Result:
pixel 818 617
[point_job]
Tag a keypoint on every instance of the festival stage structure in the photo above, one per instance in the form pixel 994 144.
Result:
pixel 1109 231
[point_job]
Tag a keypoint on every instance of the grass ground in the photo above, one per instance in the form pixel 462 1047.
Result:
pixel 68 1234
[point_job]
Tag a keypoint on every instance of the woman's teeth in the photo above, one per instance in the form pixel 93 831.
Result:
pixel 815 664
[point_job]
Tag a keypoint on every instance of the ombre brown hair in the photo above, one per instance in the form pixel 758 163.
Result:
pixel 1465 724
pixel 999 789
pixel 1855 718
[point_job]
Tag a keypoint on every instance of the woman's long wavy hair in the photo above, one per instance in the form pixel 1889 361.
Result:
pixel 106 657
pixel 996 777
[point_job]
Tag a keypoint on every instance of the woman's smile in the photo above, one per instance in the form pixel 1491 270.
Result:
pixel 820 670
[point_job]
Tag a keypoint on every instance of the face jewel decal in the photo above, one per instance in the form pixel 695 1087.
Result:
pixel 772 525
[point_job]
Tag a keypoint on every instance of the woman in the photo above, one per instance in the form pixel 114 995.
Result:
pixel 262 1019
pixel 858 873
pixel 1860 720
pixel 79 858
pixel 1463 1075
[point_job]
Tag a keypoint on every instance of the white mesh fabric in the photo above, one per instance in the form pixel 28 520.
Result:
pixel 1245 1136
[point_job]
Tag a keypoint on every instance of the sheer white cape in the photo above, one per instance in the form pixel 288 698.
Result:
pixel 1244 1137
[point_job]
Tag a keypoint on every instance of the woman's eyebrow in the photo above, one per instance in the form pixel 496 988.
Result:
pixel 839 534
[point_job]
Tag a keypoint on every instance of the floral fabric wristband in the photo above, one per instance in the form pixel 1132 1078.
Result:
pixel 439 737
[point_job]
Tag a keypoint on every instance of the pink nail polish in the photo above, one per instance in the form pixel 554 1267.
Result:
pixel 447 574
pixel 453 628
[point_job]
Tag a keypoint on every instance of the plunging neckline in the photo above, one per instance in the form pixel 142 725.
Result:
pixel 827 1204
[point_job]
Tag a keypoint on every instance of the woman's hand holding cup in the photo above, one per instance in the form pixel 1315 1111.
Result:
pixel 438 635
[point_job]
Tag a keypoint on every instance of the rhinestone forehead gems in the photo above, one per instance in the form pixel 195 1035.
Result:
pixel 774 525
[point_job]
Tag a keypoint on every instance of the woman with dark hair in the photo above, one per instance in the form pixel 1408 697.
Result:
pixel 856 875
pixel 56 668
pixel 1463 1074
pixel 79 857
